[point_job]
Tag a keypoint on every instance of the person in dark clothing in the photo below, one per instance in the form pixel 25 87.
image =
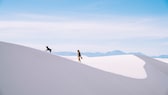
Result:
pixel 79 55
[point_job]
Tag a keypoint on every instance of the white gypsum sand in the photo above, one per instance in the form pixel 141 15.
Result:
pixel 126 65
pixel 26 71
pixel 162 59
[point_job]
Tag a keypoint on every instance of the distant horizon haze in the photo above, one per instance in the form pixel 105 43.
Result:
pixel 88 25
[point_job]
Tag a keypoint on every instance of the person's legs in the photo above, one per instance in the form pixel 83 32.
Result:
pixel 79 59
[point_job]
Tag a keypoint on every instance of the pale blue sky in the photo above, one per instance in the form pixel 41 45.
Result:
pixel 88 25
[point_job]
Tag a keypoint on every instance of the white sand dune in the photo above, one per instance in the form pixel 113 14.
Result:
pixel 162 59
pixel 125 65
pixel 26 71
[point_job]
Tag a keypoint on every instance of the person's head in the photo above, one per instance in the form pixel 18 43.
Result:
pixel 78 50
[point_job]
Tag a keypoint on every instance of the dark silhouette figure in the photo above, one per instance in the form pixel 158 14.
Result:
pixel 79 55
pixel 48 49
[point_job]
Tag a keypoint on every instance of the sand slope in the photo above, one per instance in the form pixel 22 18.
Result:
pixel 26 71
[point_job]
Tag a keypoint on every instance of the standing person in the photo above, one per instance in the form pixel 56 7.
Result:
pixel 79 55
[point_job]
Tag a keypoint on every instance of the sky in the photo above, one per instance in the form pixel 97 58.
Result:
pixel 88 25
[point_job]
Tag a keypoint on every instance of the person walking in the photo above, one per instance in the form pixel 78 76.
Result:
pixel 79 55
